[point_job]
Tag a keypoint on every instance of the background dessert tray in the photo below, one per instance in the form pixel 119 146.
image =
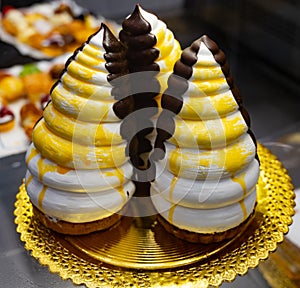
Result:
pixel 115 258
pixel 47 9
pixel 15 141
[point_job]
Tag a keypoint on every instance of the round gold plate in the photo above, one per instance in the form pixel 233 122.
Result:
pixel 140 253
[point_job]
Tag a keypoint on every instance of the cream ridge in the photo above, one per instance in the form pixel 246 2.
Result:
pixel 77 207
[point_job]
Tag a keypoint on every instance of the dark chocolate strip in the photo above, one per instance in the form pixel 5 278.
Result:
pixel 141 56
pixel 172 100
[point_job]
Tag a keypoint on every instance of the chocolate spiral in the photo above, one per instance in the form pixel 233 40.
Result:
pixel 172 100
pixel 141 56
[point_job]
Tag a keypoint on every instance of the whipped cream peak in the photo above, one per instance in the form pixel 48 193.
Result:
pixel 96 39
pixel 205 57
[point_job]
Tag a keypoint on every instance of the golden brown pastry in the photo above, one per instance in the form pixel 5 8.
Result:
pixel 30 114
pixel 36 85
pixel 11 88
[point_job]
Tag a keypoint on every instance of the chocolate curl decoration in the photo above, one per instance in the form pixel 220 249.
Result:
pixel 117 66
pixel 141 56
pixel 172 100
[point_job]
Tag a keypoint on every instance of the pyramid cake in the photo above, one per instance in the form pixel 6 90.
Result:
pixel 209 168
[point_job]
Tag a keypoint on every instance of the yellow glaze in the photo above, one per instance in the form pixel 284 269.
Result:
pixel 32 154
pixel 73 155
pixel 232 159
pixel 209 134
pixel 89 61
pixel 29 180
pixel 86 74
pixel 203 108
pixel 92 51
pixel 44 167
pixel 241 181
pixel 172 187
pixel 84 89
pixel 169 55
pixel 41 197
pixel 78 131
pixel 171 213
pixel 89 110
pixel 117 173
pixel 206 73
pixel 211 87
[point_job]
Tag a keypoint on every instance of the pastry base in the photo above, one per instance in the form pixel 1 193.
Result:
pixel 68 228
pixel 205 238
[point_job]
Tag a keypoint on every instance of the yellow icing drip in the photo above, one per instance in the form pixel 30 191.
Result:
pixel 29 179
pixel 32 154
pixel 120 175
pixel 43 168
pixel 172 187
pixel 171 213
pixel 174 166
pixel 241 181
pixel 41 197
pixel 243 207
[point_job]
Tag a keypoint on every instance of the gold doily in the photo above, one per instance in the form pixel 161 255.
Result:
pixel 66 256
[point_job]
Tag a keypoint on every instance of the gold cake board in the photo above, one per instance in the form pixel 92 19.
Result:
pixel 140 253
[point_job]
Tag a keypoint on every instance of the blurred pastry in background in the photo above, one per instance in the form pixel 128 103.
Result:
pixel 7 118
pixel 54 29
pixel 36 83
pixel 11 88
pixel 30 114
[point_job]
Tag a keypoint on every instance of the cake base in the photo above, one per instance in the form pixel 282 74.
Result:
pixel 205 238
pixel 69 228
